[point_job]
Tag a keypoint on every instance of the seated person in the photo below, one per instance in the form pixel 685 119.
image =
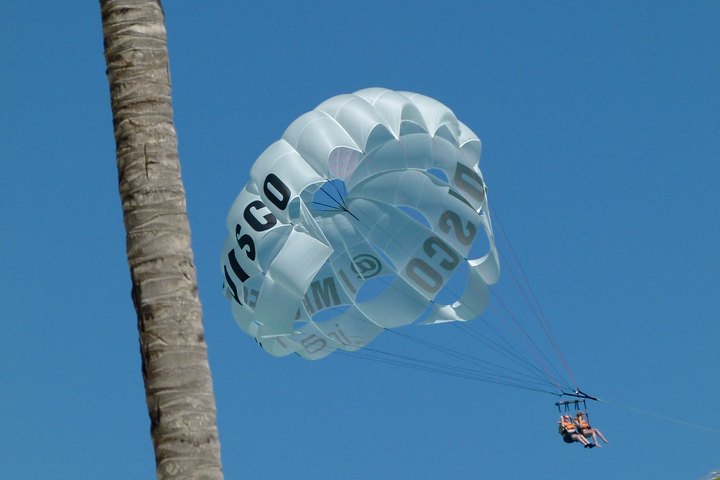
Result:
pixel 586 430
pixel 570 431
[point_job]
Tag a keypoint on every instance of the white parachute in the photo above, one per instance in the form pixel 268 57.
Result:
pixel 361 218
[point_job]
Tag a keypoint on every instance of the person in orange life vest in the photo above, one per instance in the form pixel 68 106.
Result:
pixel 570 432
pixel 586 430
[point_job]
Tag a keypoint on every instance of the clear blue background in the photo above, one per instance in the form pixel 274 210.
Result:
pixel 601 131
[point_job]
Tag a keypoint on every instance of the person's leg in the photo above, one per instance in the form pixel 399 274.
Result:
pixel 601 435
pixel 581 439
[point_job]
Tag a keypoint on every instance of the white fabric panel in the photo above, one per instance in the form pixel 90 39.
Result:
pixel 313 341
pixel 247 195
pixel 353 259
pixel 435 114
pixel 390 230
pixel 354 262
pixel 286 282
pixel 488 266
pixel 430 197
pixel 394 108
pixel 232 283
pixel 417 151
pixel 371 94
pixel 308 224
pixel 359 119
pixel 244 318
pixel 277 346
pixel 281 159
pixel 313 345
pixel 298 262
pixel 326 291
pixel 293 343
pixel 251 290
pixel 270 245
pixel 400 304
pixel 266 243
pixel 309 342
pixel 275 309
pixel 420 256
pixel 468 182
pixel 350 330
pixel 470 304
pixel 470 144
pixel 342 162
pixel 410 151
pixel 315 135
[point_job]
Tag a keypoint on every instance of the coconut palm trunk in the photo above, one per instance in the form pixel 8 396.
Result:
pixel 178 384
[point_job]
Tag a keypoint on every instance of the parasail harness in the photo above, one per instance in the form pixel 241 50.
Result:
pixel 580 398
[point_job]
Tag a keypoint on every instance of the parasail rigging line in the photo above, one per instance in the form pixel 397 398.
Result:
pixel 503 350
pixel 483 373
pixel 458 355
pixel 526 288
pixel 340 204
pixel 536 351
pixel 340 194
pixel 333 208
pixel 388 358
pixel 648 413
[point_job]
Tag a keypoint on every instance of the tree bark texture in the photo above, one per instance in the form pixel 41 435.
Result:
pixel 178 384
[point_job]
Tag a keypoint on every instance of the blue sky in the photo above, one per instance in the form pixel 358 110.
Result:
pixel 601 141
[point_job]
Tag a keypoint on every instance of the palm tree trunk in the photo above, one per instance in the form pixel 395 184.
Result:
pixel 178 384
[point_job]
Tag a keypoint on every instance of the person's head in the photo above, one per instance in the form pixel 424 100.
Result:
pixel 579 414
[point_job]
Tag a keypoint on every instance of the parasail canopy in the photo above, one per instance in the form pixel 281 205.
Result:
pixel 370 213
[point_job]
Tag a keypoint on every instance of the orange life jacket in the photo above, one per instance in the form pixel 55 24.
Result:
pixel 568 427
pixel 583 424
